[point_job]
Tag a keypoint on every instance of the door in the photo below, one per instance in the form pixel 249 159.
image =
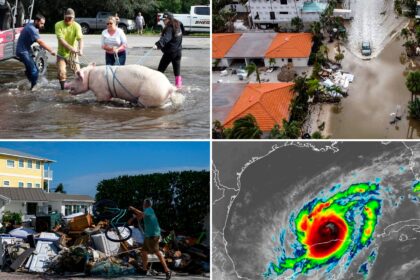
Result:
pixel 31 208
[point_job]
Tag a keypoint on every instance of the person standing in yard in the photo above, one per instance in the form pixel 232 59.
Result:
pixel 68 33
pixel 170 43
pixel 140 23
pixel 114 42
pixel 28 36
pixel 151 235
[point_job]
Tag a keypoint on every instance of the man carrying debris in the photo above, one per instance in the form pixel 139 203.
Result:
pixel 151 235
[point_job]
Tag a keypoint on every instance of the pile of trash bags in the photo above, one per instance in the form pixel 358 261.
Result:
pixel 78 247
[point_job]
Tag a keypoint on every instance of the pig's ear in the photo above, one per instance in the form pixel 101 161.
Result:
pixel 80 75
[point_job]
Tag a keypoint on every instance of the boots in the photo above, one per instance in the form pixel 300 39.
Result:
pixel 62 84
pixel 178 82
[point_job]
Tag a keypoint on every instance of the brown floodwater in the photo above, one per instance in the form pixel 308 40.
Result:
pixel 378 87
pixel 52 113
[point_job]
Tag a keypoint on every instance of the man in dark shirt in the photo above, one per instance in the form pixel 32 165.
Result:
pixel 28 36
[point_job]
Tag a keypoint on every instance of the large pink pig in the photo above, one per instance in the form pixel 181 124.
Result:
pixel 134 83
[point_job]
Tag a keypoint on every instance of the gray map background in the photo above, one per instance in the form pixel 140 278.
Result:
pixel 251 206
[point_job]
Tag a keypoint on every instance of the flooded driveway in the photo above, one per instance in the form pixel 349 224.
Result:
pixel 378 88
pixel 374 21
pixel 52 113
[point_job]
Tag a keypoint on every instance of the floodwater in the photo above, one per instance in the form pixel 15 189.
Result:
pixel 52 113
pixel 374 21
pixel 378 88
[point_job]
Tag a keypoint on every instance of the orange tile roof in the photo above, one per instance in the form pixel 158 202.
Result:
pixel 268 103
pixel 290 45
pixel 222 42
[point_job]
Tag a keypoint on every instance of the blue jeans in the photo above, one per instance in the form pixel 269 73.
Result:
pixel 31 70
pixel 110 58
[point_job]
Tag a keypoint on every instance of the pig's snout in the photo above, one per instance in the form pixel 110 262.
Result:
pixel 67 85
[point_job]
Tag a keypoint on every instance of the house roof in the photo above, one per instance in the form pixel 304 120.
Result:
pixel 10 152
pixel 68 197
pixel 251 45
pixel 23 194
pixel 222 42
pixel 26 194
pixel 290 45
pixel 314 7
pixel 268 103
pixel 224 96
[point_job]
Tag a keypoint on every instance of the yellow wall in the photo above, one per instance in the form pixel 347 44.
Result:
pixel 20 174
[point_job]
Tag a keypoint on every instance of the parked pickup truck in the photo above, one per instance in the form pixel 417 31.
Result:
pixel 198 20
pixel 100 21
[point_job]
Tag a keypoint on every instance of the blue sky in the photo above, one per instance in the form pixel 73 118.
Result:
pixel 81 165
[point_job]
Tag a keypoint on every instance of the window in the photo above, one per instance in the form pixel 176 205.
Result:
pixel 6 184
pixel 283 2
pixel 38 164
pixel 202 11
pixel 10 163
pixel 29 185
pixel 21 184
pixel 290 60
pixel 284 13
pixel 21 163
pixel 272 15
pixel 29 163
pixel 38 186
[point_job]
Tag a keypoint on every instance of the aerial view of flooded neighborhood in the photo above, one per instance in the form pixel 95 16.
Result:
pixel 342 69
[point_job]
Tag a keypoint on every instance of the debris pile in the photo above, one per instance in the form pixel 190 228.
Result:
pixel 334 84
pixel 79 247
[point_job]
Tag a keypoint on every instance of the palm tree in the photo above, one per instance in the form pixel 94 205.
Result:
pixel 323 49
pixel 217 131
pixel 405 33
pixel 339 57
pixel 316 31
pixel 275 132
pixel 413 83
pixel 297 23
pixel 251 68
pixel 246 128
pixel 290 130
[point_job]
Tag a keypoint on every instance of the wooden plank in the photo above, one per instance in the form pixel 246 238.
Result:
pixel 21 259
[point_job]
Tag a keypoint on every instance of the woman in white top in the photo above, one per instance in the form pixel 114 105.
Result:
pixel 114 42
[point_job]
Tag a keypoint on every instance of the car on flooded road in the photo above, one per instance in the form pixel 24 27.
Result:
pixel 366 49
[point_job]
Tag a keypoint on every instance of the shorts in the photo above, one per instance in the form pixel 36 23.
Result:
pixel 151 244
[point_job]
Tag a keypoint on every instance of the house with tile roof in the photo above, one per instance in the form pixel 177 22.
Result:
pixel 292 48
pixel 268 102
pixel 262 47
pixel 221 44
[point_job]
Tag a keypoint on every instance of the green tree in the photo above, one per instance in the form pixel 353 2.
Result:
pixel 180 199
pixel 251 68
pixel 290 130
pixel 245 128
pixel 60 188
pixel 275 132
pixel 413 82
pixel 297 23
pixel 414 109
pixel 339 57
pixel 317 135
pixel 217 130
pixel 405 33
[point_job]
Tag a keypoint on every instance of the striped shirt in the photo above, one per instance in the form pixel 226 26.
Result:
pixel 115 40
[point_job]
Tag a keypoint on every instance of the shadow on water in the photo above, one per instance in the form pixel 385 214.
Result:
pixel 52 113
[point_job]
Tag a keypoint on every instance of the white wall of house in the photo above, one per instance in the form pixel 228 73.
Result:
pixel 279 11
pixel 297 62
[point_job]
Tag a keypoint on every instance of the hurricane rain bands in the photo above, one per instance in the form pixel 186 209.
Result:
pixel 330 228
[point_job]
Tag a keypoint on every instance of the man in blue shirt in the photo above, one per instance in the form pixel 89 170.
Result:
pixel 151 235
pixel 28 36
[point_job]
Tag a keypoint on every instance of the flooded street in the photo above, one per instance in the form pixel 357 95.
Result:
pixel 52 113
pixel 378 88
pixel 374 21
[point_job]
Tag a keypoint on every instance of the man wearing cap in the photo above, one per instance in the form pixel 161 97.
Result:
pixel 28 36
pixel 170 43
pixel 68 32
pixel 151 236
